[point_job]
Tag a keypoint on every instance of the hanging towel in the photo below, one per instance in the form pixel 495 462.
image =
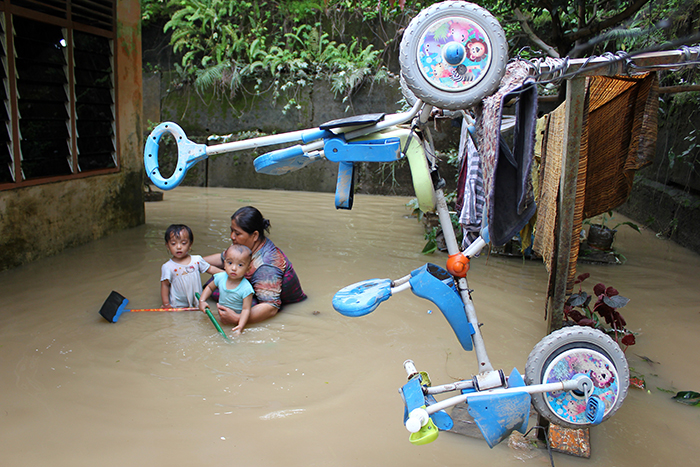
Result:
pixel 509 197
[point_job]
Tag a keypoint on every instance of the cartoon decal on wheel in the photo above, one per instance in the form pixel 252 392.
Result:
pixel 569 406
pixel 571 351
pixel 454 54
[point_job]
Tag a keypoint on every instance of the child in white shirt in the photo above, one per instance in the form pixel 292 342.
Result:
pixel 179 277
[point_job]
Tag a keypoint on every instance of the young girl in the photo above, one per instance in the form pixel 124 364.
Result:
pixel 179 277
pixel 235 292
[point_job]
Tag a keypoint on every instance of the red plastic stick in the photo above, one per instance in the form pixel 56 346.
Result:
pixel 166 309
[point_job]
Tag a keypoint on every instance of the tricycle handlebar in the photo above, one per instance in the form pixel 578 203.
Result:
pixel 188 154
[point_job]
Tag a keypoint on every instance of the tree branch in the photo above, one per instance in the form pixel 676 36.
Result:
pixel 551 51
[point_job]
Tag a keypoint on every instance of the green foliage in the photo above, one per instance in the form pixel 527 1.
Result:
pixel 221 43
pixel 687 397
pixel 414 206
pixel 154 10
pixel 204 32
pixel 300 10
pixel 688 157
pixel 606 217
pixel 433 235
pixel 350 66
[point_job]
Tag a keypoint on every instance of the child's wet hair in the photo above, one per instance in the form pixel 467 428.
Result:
pixel 174 230
pixel 244 250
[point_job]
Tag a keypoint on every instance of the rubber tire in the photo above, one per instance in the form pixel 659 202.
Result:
pixel 406 92
pixel 410 64
pixel 563 340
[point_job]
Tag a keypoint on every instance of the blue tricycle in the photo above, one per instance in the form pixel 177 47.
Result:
pixel 453 54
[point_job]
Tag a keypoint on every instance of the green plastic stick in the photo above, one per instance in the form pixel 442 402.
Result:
pixel 213 320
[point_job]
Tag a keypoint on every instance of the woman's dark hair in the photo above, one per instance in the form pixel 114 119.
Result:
pixel 175 230
pixel 250 220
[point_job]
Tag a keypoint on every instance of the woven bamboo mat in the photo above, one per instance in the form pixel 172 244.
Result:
pixel 619 137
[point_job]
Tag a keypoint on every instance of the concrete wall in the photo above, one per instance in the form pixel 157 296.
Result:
pixel 666 195
pixel 42 220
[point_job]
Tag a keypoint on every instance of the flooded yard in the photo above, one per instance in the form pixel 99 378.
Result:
pixel 310 387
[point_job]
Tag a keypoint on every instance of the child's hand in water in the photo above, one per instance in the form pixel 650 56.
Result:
pixel 236 331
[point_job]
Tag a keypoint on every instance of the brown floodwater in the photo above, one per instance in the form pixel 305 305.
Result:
pixel 310 387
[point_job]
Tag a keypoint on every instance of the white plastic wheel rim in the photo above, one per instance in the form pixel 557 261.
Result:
pixel 460 76
pixel 566 404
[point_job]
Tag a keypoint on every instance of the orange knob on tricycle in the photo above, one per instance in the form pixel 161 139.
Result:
pixel 458 265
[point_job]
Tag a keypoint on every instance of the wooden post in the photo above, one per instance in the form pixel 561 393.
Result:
pixel 575 103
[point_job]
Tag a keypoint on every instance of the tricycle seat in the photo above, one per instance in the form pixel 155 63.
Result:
pixel 355 120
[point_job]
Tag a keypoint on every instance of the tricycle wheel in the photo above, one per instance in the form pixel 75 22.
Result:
pixel 571 351
pixel 453 54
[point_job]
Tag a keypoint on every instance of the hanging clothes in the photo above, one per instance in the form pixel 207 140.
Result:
pixel 471 197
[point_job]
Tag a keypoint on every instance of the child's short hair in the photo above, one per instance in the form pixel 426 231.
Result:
pixel 244 250
pixel 174 231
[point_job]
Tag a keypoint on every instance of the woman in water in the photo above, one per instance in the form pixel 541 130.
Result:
pixel 271 273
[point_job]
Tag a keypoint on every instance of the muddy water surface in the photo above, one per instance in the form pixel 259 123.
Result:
pixel 309 387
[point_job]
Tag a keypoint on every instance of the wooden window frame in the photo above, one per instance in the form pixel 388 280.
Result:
pixel 62 8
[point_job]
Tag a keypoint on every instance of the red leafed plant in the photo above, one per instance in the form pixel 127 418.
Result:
pixel 608 301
